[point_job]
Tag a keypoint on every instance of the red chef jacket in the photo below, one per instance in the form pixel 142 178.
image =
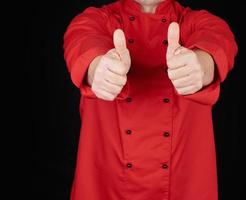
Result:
pixel 149 143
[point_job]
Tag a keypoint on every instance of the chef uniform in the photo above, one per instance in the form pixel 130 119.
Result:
pixel 150 143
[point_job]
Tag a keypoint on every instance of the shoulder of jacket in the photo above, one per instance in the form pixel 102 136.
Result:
pixel 188 11
pixel 180 9
pixel 185 12
pixel 105 10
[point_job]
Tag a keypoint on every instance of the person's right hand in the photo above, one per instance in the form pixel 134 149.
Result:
pixel 107 74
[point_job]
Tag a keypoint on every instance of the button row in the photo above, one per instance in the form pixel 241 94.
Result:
pixel 129 99
pixel 165 134
pixel 132 18
pixel 164 165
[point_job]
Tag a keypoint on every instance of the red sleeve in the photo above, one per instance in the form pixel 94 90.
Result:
pixel 201 29
pixel 87 37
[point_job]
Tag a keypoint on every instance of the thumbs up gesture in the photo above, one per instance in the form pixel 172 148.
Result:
pixel 188 70
pixel 107 74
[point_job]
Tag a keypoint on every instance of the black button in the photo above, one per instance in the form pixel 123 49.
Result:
pixel 131 41
pixel 128 99
pixel 166 134
pixel 164 166
pixel 129 165
pixel 165 42
pixel 131 18
pixel 163 20
pixel 128 132
pixel 166 100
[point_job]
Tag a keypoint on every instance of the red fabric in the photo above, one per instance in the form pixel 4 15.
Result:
pixel 167 138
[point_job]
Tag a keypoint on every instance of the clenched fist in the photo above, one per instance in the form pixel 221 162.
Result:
pixel 107 74
pixel 188 70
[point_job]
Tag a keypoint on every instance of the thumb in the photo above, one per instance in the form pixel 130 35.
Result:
pixel 173 37
pixel 120 46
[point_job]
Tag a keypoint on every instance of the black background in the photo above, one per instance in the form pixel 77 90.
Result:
pixel 55 117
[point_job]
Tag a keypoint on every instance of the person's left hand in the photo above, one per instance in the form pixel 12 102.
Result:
pixel 189 70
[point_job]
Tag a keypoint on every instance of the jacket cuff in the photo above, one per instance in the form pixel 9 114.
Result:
pixel 208 95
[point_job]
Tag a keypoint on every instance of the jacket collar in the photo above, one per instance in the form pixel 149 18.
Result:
pixel 136 7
